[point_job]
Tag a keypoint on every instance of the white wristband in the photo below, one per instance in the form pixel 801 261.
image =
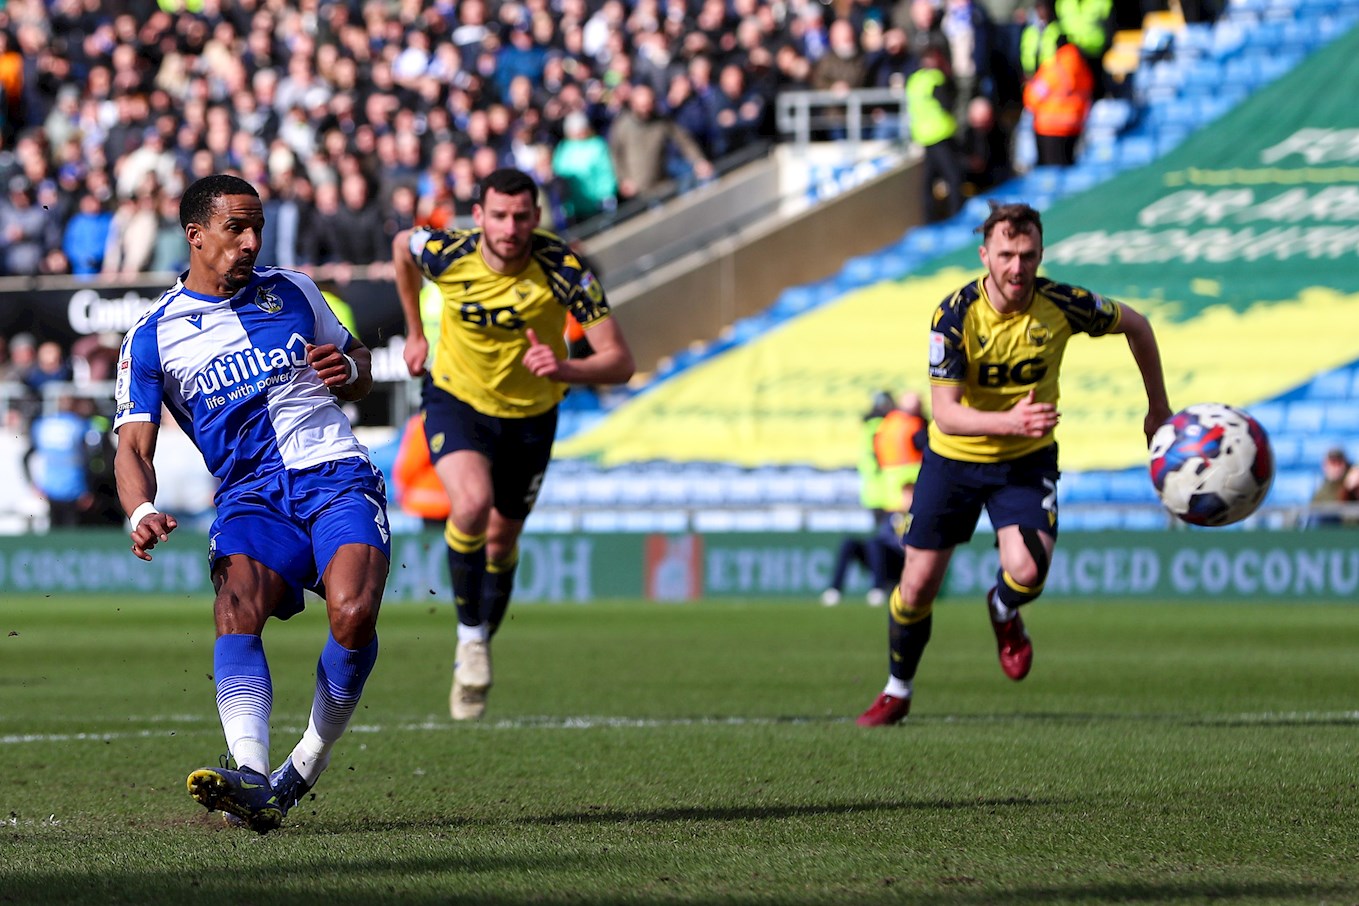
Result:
pixel 141 512
pixel 353 369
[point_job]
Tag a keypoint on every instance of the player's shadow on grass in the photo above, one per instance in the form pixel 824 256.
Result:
pixel 601 815
pixel 230 883
pixel 1188 891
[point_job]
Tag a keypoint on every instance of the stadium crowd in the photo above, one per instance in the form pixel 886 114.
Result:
pixel 359 119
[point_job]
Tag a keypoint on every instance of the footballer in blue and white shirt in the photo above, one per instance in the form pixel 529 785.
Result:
pixel 234 374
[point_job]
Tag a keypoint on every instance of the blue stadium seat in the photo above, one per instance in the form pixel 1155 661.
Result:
pixel 1304 416
pixel 1342 417
pixel 1137 151
pixel 1229 36
pixel 1046 179
pixel 1203 76
pixel 1082 487
pixel 1294 486
pixel 1246 71
pixel 1144 519
pixel 1109 113
pixel 860 271
pixel 1270 415
pixel 1311 449
pixel 1131 486
pixel 1195 40
pixel 1287 450
pixel 1330 385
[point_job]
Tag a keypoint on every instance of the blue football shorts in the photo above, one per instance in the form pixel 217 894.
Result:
pixel 950 495
pixel 294 521
pixel 519 449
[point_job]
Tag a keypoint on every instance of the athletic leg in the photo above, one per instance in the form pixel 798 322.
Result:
pixel 502 560
pixel 247 593
pixel 466 476
pixel 354 581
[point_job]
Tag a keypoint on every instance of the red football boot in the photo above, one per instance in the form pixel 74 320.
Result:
pixel 1012 643
pixel 885 711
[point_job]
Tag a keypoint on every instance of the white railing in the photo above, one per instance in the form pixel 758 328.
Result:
pixel 862 114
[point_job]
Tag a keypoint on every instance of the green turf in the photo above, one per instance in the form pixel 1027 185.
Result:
pixel 644 753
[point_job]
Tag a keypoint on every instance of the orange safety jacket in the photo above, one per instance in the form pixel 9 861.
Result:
pixel 1059 94
pixel 418 488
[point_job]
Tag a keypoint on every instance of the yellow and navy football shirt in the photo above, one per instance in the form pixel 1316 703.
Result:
pixel 486 315
pixel 998 358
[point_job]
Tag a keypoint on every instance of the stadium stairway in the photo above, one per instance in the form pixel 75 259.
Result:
pixel 1185 76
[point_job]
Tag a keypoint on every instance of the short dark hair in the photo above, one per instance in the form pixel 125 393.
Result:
pixel 1018 215
pixel 199 199
pixel 508 181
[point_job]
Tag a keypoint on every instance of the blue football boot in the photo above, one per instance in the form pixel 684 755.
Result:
pixel 243 793
pixel 288 785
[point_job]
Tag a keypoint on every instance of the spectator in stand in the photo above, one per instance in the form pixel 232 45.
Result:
pixel 929 103
pixel 55 464
pixel 1059 97
pixel 841 69
pixel 640 141
pixel 581 161
pixel 1088 24
pixel 688 112
pixel 923 29
pixel 971 37
pixel 741 114
pixel 168 254
pixel 132 235
pixel 892 64
pixel 23 357
pixel 1038 40
pixel 28 232
pixel 49 367
pixel 86 236
pixel 361 240
pixel 985 149
pixel 1339 485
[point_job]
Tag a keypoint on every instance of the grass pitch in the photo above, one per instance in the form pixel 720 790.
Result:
pixel 645 753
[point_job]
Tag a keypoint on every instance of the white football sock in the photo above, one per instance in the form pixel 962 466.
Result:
pixel 898 688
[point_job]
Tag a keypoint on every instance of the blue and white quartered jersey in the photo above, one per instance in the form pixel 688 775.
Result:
pixel 234 374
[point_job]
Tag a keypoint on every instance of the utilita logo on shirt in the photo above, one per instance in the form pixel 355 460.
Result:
pixel 243 372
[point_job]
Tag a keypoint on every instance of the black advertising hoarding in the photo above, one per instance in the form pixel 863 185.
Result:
pixel 64 310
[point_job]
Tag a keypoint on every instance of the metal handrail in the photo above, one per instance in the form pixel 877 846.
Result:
pixel 802 115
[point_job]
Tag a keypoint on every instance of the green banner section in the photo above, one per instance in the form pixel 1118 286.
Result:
pixel 1241 245
pixel 1189 565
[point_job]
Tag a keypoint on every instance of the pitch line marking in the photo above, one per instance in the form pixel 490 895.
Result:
pixel 646 723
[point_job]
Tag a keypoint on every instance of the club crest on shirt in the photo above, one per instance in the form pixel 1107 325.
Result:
pixel 267 301
pixel 593 291
pixel 523 289
pixel 1039 333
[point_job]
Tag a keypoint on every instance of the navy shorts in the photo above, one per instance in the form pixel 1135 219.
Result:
pixel 519 449
pixel 951 493
pixel 294 521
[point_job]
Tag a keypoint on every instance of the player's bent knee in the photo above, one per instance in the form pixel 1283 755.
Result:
pixel 353 619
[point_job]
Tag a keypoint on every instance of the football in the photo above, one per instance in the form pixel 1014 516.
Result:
pixel 1211 464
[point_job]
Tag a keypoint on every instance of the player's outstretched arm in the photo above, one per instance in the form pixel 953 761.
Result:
pixel 1147 354
pixel 135 474
pixel 409 280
